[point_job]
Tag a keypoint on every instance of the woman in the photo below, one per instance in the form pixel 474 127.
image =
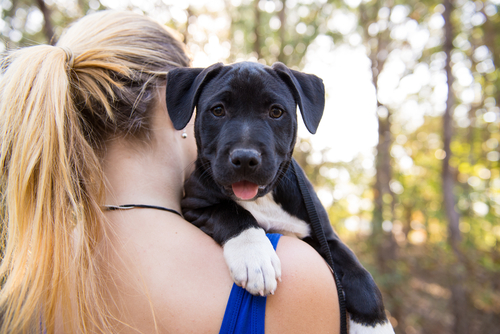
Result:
pixel 84 128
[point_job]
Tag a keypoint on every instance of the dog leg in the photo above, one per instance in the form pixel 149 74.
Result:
pixel 252 261
pixel 363 298
pixel 250 256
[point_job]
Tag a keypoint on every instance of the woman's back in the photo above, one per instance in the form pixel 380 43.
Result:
pixel 188 290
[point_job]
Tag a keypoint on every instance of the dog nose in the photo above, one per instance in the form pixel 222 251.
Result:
pixel 245 159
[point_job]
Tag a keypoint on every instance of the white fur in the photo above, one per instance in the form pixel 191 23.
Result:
pixel 272 218
pixel 252 261
pixel 355 328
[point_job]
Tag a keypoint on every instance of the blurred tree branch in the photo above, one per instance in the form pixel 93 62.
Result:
pixel 47 27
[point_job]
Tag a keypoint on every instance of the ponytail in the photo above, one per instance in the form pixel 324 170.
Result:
pixel 51 184
pixel 57 107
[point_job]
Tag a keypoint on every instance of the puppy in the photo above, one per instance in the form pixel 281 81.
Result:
pixel 242 187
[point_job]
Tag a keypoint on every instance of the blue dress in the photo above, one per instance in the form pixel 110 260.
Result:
pixel 245 313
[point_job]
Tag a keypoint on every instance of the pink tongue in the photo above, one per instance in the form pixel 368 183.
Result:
pixel 245 190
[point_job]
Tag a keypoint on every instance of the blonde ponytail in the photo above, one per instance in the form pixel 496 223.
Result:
pixel 45 193
pixel 57 105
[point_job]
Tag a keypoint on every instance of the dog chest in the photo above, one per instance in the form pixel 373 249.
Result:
pixel 272 218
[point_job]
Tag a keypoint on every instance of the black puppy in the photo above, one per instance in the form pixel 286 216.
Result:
pixel 245 128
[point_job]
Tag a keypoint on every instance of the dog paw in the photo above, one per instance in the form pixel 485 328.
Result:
pixel 253 262
pixel 382 328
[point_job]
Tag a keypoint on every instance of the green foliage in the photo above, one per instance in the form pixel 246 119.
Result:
pixel 398 229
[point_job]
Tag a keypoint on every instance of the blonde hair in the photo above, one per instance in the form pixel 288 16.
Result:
pixel 57 107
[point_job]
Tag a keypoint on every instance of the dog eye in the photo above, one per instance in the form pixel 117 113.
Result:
pixel 276 112
pixel 218 111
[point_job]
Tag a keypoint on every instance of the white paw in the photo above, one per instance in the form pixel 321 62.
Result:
pixel 385 328
pixel 252 261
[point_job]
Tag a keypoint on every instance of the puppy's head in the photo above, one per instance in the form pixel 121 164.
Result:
pixel 246 121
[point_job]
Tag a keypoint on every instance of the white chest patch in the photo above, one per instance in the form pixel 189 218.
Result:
pixel 272 218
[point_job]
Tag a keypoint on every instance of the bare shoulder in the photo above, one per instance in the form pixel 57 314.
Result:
pixel 306 300
pixel 167 276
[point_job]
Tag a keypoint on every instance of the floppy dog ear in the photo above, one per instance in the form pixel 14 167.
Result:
pixel 183 91
pixel 309 93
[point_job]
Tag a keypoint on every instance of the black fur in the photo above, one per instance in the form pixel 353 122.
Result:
pixel 247 92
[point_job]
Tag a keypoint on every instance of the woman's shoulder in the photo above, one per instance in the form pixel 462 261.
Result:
pixel 168 275
pixel 172 274
pixel 306 300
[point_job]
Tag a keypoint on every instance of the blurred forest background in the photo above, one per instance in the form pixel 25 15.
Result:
pixel 407 157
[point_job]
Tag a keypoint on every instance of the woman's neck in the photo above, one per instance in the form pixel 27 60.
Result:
pixel 142 174
pixel 150 172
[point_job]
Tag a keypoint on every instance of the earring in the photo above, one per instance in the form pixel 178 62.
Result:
pixel 184 134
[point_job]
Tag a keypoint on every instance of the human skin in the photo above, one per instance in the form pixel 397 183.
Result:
pixel 167 276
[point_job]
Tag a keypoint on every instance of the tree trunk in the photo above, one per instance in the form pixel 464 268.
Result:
pixel 47 27
pixel 387 246
pixel 185 33
pixel 384 243
pixel 458 292
pixel 448 181
pixel 490 39
pixel 256 45
pixel 282 16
